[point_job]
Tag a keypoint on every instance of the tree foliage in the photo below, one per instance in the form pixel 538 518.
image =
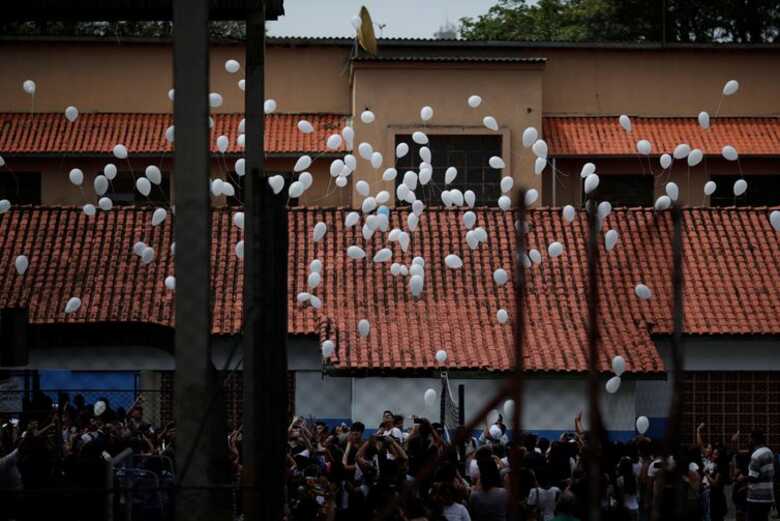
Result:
pixel 699 21
pixel 119 29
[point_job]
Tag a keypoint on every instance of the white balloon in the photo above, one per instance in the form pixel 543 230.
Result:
pixel 610 239
pixel 642 424
pixel 76 177
pixel 731 87
pixel 470 198
pixel 481 234
pixel 644 147
pixel 71 113
pixel 173 248
pixel 704 120
pixel 540 148
pixel 709 187
pixel 555 249
pixel 420 138
pixel 355 252
pixel 618 365
pixel 105 204
pixel 333 142
pixel 242 84
pixel 222 144
pixel 315 266
pixel 672 191
pixel 365 150
pixel 426 174
pixel 534 256
pixel 319 231
pixel 539 165
pixel 153 174
pixel 276 182
pixel 401 150
pixel 774 220
pixel 591 183
pixel 469 219
pixel 216 187
pixel 495 432
pixel 376 160
pixel 666 161
pixel 306 180
pixel 426 113
pixel 568 213
pixel 269 106
pixel 474 101
pixel 158 217
pixel 531 196
pixel 496 162
pixel 336 167
pixel 450 174
pixel 530 135
pixel 506 184
pixel 170 282
pixel 453 261
pixel 143 186
pixel 138 248
pixel 240 167
pixel 604 209
pixel 356 22
pixel 147 255
pixel 456 197
pixel 21 263
pixel 587 169
pixel 643 292
pixel 315 302
pixel 303 163
pixel 211 122
pixel 328 348
pixel 313 280
pixel 383 255
pixel 625 122
pixel 295 190
pixel 416 285
pixel 238 220
pixel 305 126
pixel 509 408
pixel 490 122
pixel 100 184
pixel 430 397
pixel 504 202
pixel 364 327
pixel 662 203
pixel 369 205
pixel 410 180
pixel 502 316
pixel 5 205
pixel 99 408
pixel 351 219
pixel 681 151
pixel 348 133
pixel 740 186
pixel 110 171
pixel 120 151
pixel 425 155
pixel 613 384
pixel 695 157
pixel 73 304
pixel 215 100
pixel 227 189
pixel 441 356
pixel 232 66
pixel 240 249
pixel 500 276
pixel 729 153
pixel 367 117
pixel 29 87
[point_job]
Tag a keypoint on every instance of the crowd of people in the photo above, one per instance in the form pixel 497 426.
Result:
pixel 415 473
pixel 402 470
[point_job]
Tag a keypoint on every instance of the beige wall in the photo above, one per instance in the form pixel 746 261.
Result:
pixel 128 77
pixel 673 82
pixel 397 92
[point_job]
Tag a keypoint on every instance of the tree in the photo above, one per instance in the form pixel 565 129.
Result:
pixel 448 31
pixel 119 29
pixel 740 21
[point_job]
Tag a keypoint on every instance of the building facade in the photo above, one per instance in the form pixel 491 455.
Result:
pixel 572 94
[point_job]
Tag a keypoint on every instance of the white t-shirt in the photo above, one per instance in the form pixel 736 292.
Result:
pixel 456 512
pixel 545 499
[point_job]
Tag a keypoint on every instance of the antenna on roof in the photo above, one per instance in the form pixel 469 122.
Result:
pixel 365 35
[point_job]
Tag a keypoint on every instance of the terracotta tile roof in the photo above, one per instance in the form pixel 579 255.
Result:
pixel 593 136
pixel 731 286
pixel 47 133
pixel 449 59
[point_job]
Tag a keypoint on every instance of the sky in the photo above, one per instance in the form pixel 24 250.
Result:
pixel 403 18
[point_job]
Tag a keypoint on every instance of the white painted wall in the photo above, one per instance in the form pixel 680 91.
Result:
pixel 726 353
pixel 327 398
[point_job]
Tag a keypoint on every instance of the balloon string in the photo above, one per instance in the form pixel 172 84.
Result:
pixel 720 102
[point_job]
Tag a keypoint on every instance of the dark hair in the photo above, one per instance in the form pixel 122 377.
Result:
pixel 489 477
pixel 567 504
pixel 626 471
pixel 398 418
pixel 388 412
pixel 320 422
pixel 358 427
pixel 543 444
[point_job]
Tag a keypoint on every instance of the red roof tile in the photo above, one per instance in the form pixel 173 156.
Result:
pixel 730 275
pixel 593 136
pixel 46 133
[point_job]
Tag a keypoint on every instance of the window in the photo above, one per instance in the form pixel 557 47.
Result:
pixel 762 190
pixel 469 154
pixel 122 191
pixel 624 190
pixel 20 187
